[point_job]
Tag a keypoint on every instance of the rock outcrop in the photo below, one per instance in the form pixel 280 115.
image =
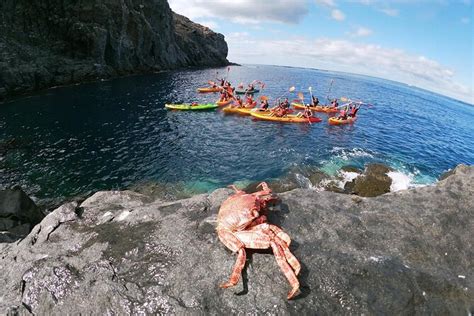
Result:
pixel 408 252
pixel 18 214
pixel 51 42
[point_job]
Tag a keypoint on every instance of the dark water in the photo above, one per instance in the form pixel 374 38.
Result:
pixel 114 134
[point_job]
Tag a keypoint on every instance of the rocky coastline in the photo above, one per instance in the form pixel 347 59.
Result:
pixel 51 43
pixel 121 252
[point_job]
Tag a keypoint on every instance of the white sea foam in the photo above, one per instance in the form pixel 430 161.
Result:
pixel 400 181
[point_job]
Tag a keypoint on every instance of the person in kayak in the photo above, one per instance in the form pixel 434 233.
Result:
pixel 285 104
pixel 264 105
pixel 314 101
pixel 238 102
pixel 224 96
pixel 306 113
pixel 250 88
pixel 334 103
pixel 343 113
pixel 222 82
pixel 353 110
pixel 248 100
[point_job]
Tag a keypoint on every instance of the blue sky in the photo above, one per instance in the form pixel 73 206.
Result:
pixel 426 43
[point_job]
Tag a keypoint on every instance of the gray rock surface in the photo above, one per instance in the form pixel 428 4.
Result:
pixel 409 252
pixel 47 43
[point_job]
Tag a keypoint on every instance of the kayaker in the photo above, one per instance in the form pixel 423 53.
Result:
pixel 343 114
pixel 285 104
pixel 353 110
pixel 314 101
pixel 238 102
pixel 222 82
pixel 250 88
pixel 264 105
pixel 334 103
pixel 306 113
pixel 248 100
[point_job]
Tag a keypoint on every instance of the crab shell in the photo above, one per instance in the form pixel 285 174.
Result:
pixel 241 209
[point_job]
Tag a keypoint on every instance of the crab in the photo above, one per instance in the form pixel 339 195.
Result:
pixel 242 223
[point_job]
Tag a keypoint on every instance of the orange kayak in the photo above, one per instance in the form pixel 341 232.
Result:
pixel 318 108
pixel 209 89
pixel 224 103
pixel 242 111
pixel 337 121
pixel 290 118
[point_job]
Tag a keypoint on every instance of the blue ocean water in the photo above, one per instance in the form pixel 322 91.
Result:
pixel 114 134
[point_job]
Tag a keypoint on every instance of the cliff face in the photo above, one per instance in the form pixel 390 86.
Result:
pixel 53 42
pixel 403 253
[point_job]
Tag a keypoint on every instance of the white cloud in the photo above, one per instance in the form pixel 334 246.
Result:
pixel 338 15
pixel 390 12
pixel 328 3
pixel 243 11
pixel 342 55
pixel 465 20
pixel 361 32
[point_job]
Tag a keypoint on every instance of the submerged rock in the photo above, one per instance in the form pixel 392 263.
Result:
pixel 47 43
pixel 408 252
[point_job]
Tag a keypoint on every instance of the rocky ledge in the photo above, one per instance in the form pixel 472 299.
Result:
pixel 407 252
pixel 47 43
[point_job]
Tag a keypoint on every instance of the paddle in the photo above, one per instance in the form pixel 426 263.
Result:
pixel 301 96
pixel 329 91
pixel 311 94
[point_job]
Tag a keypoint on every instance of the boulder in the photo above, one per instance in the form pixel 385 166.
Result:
pixel 18 213
pixel 373 182
pixel 407 252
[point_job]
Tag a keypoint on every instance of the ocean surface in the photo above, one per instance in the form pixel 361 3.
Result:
pixel 117 134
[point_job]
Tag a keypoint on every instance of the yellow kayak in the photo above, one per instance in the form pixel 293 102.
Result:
pixel 337 121
pixel 290 118
pixel 209 89
pixel 318 108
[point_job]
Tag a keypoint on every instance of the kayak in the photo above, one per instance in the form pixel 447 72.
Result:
pixel 318 108
pixel 189 107
pixel 291 118
pixel 336 121
pixel 224 103
pixel 244 91
pixel 242 111
pixel 209 89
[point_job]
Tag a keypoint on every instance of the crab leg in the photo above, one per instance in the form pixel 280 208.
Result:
pixel 260 239
pixel 287 270
pixel 236 189
pixel 237 271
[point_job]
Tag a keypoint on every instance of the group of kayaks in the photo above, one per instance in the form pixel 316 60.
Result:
pixel 291 116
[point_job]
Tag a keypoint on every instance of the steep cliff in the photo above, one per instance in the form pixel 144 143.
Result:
pixel 46 43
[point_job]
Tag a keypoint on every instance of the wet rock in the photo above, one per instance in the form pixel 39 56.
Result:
pixel 407 252
pixel 351 169
pixel 373 182
pixel 18 213
pixel 49 43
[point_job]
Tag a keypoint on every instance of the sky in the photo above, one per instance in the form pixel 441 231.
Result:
pixel 424 43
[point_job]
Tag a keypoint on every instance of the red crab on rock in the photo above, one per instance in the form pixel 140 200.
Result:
pixel 241 224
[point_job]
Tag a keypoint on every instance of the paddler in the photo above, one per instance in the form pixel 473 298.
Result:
pixel 306 113
pixel 334 103
pixel 314 101
pixel 248 100
pixel 353 110
pixel 343 113
pixel 264 105
pixel 238 102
